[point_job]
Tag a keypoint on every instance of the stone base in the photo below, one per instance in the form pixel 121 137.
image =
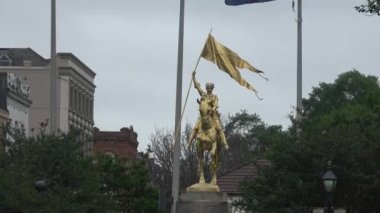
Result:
pixel 203 187
pixel 202 202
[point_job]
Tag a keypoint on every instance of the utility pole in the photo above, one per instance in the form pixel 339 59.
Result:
pixel 53 73
pixel 177 128
pixel 299 67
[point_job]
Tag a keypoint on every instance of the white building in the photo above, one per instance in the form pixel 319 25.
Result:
pixel 76 90
pixel 15 99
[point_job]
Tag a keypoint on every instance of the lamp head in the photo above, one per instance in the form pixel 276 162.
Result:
pixel 329 179
pixel 41 185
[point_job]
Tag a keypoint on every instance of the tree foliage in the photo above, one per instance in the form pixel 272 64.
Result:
pixel 75 183
pixel 248 136
pixel 161 168
pixel 126 182
pixel 72 181
pixel 340 123
pixel 162 148
pixel 371 7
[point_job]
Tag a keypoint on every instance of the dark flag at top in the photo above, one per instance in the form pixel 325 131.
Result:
pixel 240 2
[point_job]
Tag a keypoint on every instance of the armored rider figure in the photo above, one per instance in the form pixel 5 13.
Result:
pixel 212 101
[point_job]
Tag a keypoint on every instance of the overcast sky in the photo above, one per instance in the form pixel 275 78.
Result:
pixel 132 46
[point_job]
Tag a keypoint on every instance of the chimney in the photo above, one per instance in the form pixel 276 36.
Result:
pixel 27 63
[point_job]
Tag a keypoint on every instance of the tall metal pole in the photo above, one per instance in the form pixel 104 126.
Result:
pixel 329 203
pixel 53 73
pixel 177 131
pixel 299 66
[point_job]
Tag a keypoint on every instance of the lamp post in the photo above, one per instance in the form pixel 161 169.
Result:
pixel 329 181
pixel 41 186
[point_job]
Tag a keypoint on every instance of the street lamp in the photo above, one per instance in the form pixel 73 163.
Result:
pixel 40 185
pixel 329 182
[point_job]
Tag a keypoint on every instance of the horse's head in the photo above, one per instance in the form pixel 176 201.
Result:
pixel 205 112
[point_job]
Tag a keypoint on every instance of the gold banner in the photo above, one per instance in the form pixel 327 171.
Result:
pixel 227 61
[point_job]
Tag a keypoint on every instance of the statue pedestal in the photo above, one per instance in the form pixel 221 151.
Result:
pixel 202 202
pixel 203 187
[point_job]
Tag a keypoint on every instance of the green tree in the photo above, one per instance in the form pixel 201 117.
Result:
pixel 248 137
pixel 371 7
pixel 72 180
pixel 75 182
pixel 127 182
pixel 340 123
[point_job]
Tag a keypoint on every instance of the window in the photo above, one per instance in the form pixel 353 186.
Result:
pixel 5 60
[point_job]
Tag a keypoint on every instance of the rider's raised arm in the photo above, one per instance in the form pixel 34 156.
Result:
pixel 197 86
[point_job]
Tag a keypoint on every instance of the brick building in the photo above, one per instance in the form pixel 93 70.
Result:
pixel 121 143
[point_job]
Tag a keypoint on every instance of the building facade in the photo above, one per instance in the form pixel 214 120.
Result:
pixel 15 99
pixel 75 84
pixel 4 116
pixel 15 102
pixel 121 143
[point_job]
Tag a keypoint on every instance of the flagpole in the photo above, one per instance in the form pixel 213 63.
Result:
pixel 200 55
pixel 188 91
pixel 177 147
pixel 53 72
pixel 299 68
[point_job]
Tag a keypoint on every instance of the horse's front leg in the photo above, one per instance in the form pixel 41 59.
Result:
pixel 201 172
pixel 214 163
pixel 192 136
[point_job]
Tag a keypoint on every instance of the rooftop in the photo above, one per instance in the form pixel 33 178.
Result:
pixel 17 56
pixel 230 181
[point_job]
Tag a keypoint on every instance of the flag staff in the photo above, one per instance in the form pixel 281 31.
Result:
pixel 299 67
pixel 177 147
pixel 53 72
pixel 188 91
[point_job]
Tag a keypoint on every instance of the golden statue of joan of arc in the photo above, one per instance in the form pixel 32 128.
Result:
pixel 208 134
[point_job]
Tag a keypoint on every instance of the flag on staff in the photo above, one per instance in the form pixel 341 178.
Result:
pixel 240 2
pixel 227 61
